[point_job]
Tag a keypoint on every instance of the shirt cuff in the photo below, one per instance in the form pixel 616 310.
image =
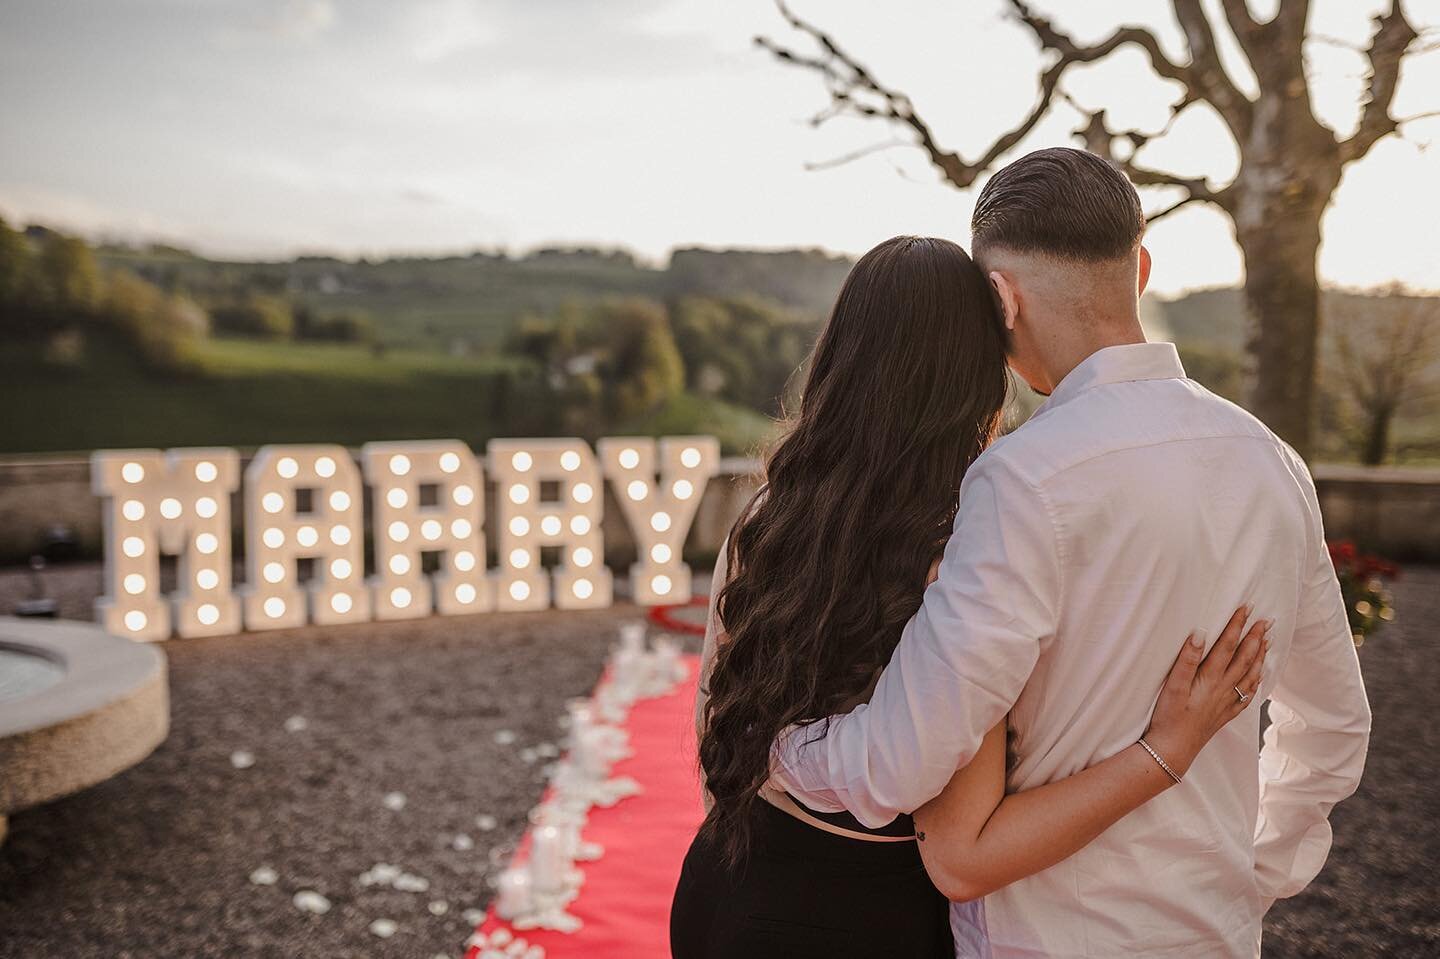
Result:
pixel 787 772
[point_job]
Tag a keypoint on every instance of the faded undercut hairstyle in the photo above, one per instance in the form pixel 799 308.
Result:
pixel 1060 202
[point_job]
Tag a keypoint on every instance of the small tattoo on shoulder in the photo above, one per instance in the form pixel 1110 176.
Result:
pixel 920 835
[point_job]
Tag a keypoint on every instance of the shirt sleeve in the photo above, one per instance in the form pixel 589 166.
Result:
pixel 960 665
pixel 1314 750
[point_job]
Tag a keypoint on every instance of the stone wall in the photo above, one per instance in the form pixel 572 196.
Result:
pixel 1390 510
pixel 1393 511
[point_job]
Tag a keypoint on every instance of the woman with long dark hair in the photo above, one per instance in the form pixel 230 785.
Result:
pixel 905 389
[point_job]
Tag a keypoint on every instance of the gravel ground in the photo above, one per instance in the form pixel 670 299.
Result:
pixel 154 864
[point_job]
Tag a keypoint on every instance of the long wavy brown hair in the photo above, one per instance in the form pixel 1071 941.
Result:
pixel 906 387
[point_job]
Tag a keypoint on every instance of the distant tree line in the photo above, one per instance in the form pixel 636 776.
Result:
pixel 266 316
pixel 53 297
pixel 618 361
pixel 593 340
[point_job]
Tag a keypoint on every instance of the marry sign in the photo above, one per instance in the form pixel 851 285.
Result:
pixel 305 503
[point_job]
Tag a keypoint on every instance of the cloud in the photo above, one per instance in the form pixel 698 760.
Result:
pixel 298 19
pixel 437 29
pixel 26 203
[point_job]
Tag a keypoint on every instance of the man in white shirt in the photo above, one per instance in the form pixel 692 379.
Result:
pixel 1133 505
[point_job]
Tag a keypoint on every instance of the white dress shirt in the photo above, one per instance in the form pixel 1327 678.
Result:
pixel 1133 507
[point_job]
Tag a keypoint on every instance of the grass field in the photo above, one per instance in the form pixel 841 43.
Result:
pixel 254 393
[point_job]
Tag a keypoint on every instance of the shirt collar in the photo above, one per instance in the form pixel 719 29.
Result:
pixel 1118 364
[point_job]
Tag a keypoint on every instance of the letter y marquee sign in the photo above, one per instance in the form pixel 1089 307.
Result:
pixel 305 504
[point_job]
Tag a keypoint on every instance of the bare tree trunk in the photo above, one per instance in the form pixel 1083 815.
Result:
pixel 1282 292
pixel 1377 436
pixel 1289 168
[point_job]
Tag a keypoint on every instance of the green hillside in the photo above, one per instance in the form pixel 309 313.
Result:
pixel 255 393
pixel 468 303
pixel 160 347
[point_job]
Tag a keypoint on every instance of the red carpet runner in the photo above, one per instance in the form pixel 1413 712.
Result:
pixel 625 902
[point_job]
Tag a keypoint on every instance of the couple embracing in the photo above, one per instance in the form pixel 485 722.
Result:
pixel 979 696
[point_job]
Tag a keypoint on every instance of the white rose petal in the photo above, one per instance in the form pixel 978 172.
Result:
pixel 296 724
pixel 264 876
pixel 462 843
pixel 395 801
pixel 383 928
pixel 241 759
pixel 405 882
pixel 485 822
pixel 308 900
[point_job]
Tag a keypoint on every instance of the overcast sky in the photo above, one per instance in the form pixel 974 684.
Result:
pixel 269 127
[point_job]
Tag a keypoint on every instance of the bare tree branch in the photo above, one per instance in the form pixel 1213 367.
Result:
pixel 854 155
pixel 1152 218
pixel 855 90
pixel 1393 35
pixel 1247 30
pixel 849 82
pixel 1203 78
pixel 1287 28
pixel 1208 76
pixel 1100 140
pixel 1335 42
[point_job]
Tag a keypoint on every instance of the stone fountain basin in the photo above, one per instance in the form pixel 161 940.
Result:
pixel 77 706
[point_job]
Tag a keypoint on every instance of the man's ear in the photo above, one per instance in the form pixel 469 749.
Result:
pixel 1006 294
pixel 1144 269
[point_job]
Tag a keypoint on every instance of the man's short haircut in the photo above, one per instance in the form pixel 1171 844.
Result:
pixel 1062 202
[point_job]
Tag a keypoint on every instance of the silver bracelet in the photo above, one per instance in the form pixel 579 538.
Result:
pixel 1159 759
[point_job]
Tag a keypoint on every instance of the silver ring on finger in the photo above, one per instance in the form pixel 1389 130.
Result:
pixel 1244 697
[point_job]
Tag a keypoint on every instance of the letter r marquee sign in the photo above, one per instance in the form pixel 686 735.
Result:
pixel 305 504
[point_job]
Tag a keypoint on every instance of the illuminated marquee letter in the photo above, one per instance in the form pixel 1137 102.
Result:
pixel 176 503
pixel 303 502
pixel 525 523
pixel 659 516
pixel 398 474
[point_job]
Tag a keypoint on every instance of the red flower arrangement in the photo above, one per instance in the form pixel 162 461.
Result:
pixel 1363 583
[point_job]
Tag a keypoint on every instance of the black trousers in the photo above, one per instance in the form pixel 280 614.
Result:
pixel 808 893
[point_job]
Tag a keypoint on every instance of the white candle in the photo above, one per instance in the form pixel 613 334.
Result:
pixel 514 893
pixel 547 859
